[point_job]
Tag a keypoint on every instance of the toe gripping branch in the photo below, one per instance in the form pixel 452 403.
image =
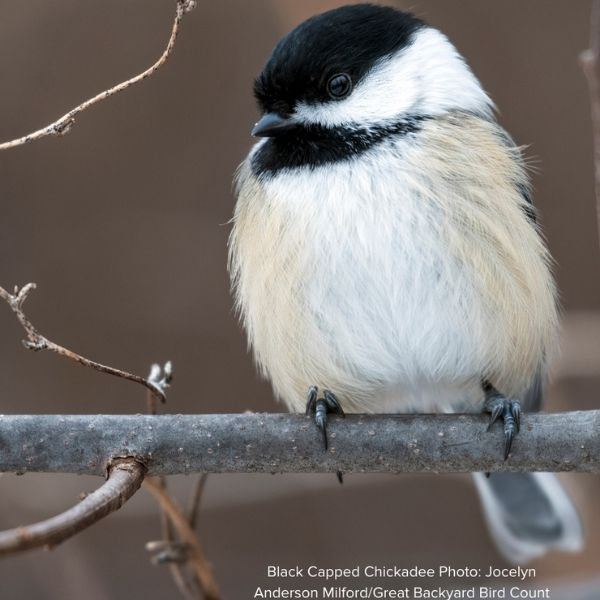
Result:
pixel 509 410
pixel 321 407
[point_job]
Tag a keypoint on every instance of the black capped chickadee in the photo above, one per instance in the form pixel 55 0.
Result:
pixel 385 247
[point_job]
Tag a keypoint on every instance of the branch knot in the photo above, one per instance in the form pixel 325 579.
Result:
pixel 186 6
pixel 63 127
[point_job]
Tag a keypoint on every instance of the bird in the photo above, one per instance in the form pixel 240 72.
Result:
pixel 385 255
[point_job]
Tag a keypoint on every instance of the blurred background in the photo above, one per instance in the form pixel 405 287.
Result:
pixel 123 225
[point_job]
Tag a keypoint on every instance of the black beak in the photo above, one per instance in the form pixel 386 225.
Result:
pixel 272 124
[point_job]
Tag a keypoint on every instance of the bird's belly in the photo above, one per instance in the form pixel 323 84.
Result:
pixel 379 284
pixel 402 321
pixel 375 309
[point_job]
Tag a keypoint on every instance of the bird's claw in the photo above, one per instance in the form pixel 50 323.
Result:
pixel 321 407
pixel 510 411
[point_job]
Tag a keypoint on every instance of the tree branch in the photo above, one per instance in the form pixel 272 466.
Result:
pixel 124 478
pixel 282 443
pixel 177 554
pixel 63 125
pixel 157 382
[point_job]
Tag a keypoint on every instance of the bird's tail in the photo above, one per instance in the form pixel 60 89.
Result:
pixel 529 514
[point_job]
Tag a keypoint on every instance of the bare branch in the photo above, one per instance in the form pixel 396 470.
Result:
pixel 124 478
pixel 590 63
pixel 156 384
pixel 63 125
pixel 196 558
pixel 158 381
pixel 283 443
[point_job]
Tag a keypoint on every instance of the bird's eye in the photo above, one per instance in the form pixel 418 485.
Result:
pixel 339 86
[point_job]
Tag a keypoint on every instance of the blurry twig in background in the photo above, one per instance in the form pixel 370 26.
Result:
pixel 194 507
pixel 36 341
pixel 63 125
pixel 193 553
pixel 124 479
pixel 172 552
pixel 590 62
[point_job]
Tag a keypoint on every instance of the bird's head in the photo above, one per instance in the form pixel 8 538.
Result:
pixel 361 67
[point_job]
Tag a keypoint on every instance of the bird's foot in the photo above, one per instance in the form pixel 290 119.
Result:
pixel 509 410
pixel 321 407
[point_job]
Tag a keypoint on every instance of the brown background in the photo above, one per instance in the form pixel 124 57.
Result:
pixel 123 225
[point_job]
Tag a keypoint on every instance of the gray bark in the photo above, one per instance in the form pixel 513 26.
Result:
pixel 278 443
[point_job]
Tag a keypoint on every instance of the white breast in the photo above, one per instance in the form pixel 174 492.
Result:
pixel 353 277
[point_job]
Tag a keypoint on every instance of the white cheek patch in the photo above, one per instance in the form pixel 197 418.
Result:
pixel 429 77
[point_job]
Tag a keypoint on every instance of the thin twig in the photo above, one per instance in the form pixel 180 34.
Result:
pixel 175 553
pixel 172 552
pixel 124 478
pixel 63 125
pixel 36 341
pixel 590 63
pixel 197 560
pixel 194 507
